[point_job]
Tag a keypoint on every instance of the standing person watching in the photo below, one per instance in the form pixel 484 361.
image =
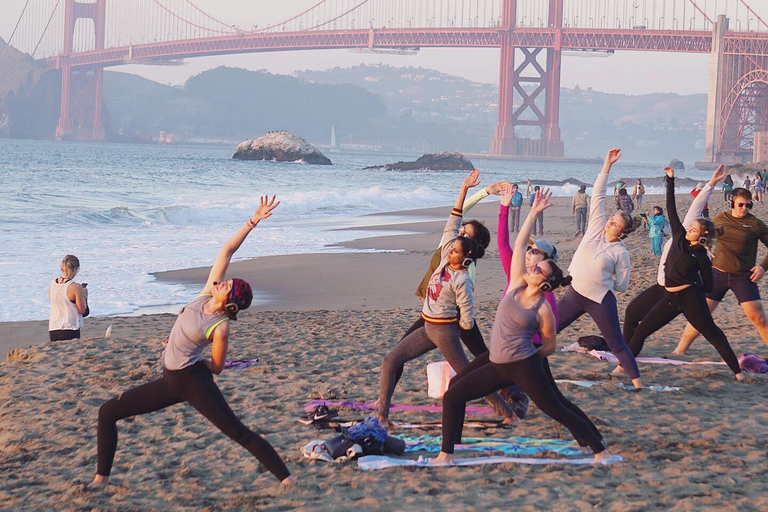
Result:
pixel 734 265
pixel 600 268
pixel 727 188
pixel 579 207
pixel 514 209
pixel 637 193
pixel 695 192
pixel 654 222
pixel 187 375
pixel 624 203
pixel 68 302
pixel 539 220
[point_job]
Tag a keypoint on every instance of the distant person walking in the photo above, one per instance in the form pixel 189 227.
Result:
pixel 637 194
pixel 579 207
pixel 514 209
pixel 68 302
pixel 538 224
pixel 727 188
pixel 655 223
pixel 624 202
pixel 758 184
pixel 528 188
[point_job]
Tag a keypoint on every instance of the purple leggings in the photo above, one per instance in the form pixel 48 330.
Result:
pixel 606 315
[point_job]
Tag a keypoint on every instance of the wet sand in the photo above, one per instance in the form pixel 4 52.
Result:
pixel 333 318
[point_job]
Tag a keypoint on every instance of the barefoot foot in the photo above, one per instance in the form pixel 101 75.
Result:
pixel 288 481
pixel 443 458
pixel 99 482
pixel 603 455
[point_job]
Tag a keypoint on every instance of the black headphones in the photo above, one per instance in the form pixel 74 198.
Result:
pixel 545 286
pixel 750 204
pixel 466 262
pixel 231 307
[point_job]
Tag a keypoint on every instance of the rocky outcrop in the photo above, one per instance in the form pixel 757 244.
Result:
pixel 280 147
pixel 430 162
pixel 677 165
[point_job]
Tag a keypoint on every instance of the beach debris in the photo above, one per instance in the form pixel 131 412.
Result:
pixel 280 146
pixel 328 393
pixel 443 161
pixel 239 364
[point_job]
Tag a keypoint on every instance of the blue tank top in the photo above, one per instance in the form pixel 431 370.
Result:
pixel 513 329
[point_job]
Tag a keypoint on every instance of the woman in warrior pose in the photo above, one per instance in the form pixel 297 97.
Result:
pixel 687 277
pixel 599 268
pixel 448 307
pixel 513 359
pixel 187 375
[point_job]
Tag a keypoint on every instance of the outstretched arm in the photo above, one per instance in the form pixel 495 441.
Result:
pixel 451 230
pixel 597 218
pixel 674 219
pixel 231 246
pixel 697 206
pixel 517 266
pixel 502 235
pixel 494 188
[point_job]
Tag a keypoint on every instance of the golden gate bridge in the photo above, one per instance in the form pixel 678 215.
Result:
pixel 82 37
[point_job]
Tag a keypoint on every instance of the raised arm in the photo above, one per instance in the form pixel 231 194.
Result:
pixel 231 246
pixel 697 206
pixel 502 235
pixel 451 230
pixel 674 218
pixel 494 188
pixel 597 219
pixel 541 201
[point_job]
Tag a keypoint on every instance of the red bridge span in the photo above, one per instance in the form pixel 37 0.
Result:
pixel 81 38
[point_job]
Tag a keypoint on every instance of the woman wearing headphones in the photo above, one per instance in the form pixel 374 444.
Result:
pixel 449 287
pixel 187 375
pixel 513 359
pixel 599 268
pixel 687 277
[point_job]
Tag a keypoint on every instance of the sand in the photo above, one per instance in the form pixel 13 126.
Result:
pixel 333 318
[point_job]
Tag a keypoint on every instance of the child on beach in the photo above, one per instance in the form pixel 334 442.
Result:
pixel 654 222
pixel 68 302
pixel 513 359
pixel 448 308
pixel 187 375
pixel 687 276
pixel 624 202
pixel 600 268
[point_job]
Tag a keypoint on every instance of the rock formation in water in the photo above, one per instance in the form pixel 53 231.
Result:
pixel 280 147
pixel 431 162
pixel 677 165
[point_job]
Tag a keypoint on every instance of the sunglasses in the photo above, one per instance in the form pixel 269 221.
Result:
pixel 537 270
pixel 748 205
pixel 536 252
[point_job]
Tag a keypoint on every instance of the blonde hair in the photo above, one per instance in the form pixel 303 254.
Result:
pixel 70 264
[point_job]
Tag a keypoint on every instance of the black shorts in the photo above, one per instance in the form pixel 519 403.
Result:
pixel 743 288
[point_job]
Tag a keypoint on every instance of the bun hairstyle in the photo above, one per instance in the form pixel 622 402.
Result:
pixel 556 280
pixel 630 223
pixel 709 232
pixel 482 235
pixel 240 297
pixel 471 250
pixel 71 264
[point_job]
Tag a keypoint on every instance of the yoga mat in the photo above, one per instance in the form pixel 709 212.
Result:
pixel 369 406
pixel 511 446
pixel 373 462
pixel 589 384
pixel 607 356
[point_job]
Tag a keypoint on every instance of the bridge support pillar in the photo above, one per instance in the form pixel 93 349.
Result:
pixel 537 87
pixel 715 93
pixel 81 115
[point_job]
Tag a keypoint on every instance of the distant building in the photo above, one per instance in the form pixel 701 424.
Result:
pixel 760 153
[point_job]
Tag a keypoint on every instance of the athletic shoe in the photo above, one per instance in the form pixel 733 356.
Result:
pixel 520 406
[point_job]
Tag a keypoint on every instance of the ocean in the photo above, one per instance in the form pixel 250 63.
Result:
pixel 130 210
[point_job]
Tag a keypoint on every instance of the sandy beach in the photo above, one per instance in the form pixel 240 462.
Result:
pixel 329 320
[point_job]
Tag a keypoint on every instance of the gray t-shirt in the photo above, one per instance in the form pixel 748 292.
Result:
pixel 513 329
pixel 190 335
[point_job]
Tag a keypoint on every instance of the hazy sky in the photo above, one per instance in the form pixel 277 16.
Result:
pixel 623 72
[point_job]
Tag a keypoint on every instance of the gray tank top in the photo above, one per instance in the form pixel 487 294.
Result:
pixel 190 335
pixel 513 329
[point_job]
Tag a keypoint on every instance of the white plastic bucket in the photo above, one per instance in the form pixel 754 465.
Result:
pixel 439 375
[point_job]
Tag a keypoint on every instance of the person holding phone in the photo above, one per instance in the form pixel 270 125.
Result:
pixel 68 302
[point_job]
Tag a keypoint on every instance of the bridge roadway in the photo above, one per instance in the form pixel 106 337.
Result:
pixel 746 43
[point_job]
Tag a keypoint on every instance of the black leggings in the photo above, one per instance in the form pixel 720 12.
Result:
pixel 570 405
pixel 691 303
pixel 471 338
pixel 194 385
pixel 639 307
pixel 482 377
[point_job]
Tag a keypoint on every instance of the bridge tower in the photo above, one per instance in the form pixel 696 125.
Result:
pixel 81 88
pixel 738 98
pixel 527 82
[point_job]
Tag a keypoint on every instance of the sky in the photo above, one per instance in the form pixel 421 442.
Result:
pixel 623 72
